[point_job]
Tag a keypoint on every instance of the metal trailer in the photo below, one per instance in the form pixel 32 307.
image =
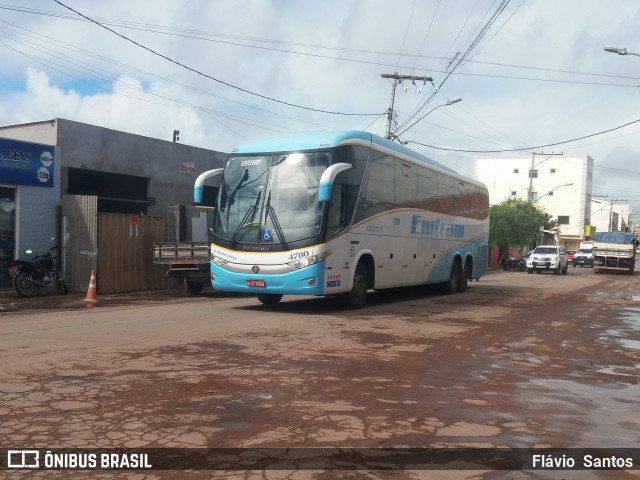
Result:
pixel 614 251
pixel 187 261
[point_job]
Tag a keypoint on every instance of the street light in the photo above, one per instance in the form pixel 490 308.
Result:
pixel 446 104
pixel 620 51
pixel 551 191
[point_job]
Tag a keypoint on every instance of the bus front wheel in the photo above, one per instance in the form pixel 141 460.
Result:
pixel 357 297
pixel 269 298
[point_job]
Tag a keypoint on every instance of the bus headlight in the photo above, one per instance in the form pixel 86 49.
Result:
pixel 218 260
pixel 305 262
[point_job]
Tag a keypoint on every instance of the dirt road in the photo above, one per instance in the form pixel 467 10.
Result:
pixel 518 360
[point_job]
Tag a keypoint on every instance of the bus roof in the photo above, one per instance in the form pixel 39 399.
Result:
pixel 319 139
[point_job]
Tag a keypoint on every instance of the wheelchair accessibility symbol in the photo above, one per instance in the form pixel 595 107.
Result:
pixel 267 236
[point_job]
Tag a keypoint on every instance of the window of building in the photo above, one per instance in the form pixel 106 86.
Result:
pixel 563 219
pixel 550 193
pixel 552 170
pixel 513 193
pixel 534 196
pixel 533 173
pixel 516 170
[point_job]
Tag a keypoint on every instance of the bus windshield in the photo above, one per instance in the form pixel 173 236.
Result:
pixel 270 199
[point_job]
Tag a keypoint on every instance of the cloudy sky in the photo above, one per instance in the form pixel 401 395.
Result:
pixel 532 74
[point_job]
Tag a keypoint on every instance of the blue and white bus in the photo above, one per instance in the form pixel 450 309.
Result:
pixel 341 213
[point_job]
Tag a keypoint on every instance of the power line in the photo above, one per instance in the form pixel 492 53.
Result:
pixel 406 33
pixel 175 32
pixel 530 148
pixel 191 69
pixel 41 46
pixel 483 31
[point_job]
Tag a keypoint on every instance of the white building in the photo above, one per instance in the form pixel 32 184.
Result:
pixel 561 185
pixel 608 214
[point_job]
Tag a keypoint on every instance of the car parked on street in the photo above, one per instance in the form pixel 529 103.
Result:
pixel 583 257
pixel 570 254
pixel 548 258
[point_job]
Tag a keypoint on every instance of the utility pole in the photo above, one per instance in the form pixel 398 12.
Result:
pixel 397 79
pixel 615 200
pixel 611 202
pixel 533 157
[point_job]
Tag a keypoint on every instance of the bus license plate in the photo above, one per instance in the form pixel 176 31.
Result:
pixel 256 283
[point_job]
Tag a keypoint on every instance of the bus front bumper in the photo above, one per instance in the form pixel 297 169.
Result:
pixel 305 281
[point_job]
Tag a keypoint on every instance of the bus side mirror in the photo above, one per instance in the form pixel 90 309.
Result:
pixel 198 186
pixel 327 178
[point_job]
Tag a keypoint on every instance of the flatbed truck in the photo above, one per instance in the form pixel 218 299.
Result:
pixel 614 251
pixel 187 261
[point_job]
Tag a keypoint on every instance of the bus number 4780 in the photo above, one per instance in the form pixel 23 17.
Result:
pixel 297 255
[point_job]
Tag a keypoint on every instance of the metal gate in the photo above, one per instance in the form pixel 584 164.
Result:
pixel 125 261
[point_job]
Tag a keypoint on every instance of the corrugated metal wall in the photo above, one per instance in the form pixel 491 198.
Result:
pixel 79 232
pixel 125 261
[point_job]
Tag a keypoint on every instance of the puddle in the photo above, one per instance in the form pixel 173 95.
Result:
pixel 633 344
pixel 610 417
pixel 621 371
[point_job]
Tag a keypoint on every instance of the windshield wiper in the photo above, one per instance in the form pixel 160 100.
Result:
pixel 243 222
pixel 276 224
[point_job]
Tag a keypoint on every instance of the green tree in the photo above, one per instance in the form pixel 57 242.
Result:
pixel 516 222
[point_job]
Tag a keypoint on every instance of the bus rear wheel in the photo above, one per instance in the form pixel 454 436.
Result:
pixel 269 298
pixel 463 280
pixel 357 297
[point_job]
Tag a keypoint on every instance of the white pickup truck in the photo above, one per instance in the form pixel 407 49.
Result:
pixel 547 258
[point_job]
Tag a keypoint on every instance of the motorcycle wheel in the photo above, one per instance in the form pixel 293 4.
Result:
pixel 23 285
pixel 62 287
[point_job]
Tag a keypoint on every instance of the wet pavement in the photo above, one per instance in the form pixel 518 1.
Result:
pixel 519 361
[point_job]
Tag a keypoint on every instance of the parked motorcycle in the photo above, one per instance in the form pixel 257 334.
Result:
pixel 516 264
pixel 41 271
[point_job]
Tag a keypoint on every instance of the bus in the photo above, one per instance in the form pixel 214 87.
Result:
pixel 342 213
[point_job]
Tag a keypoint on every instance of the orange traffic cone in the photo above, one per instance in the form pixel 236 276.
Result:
pixel 92 295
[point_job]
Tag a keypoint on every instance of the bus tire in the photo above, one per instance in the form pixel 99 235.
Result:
pixel 451 286
pixel 463 280
pixel 269 298
pixel 357 297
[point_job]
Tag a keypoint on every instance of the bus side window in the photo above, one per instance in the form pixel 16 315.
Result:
pixel 447 192
pixel 462 199
pixel 381 184
pixel 428 190
pixel 474 201
pixel 406 177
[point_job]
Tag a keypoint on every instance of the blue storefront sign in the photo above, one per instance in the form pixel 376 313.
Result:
pixel 24 163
